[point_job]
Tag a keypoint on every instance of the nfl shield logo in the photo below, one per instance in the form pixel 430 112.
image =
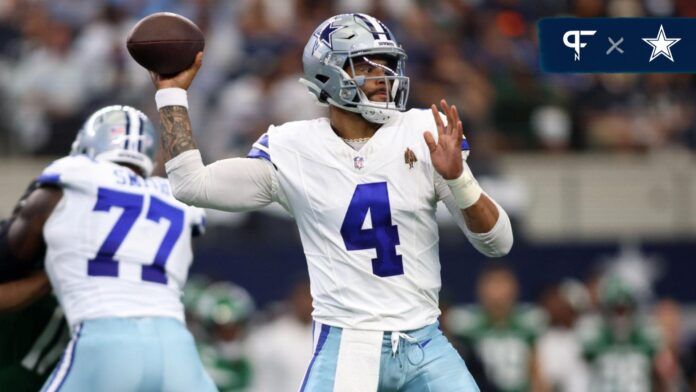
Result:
pixel 358 162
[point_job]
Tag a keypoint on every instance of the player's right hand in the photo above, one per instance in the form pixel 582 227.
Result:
pixel 181 80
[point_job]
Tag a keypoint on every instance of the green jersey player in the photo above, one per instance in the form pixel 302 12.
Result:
pixel 500 333
pixel 31 342
pixel 32 335
pixel 224 309
pixel 620 346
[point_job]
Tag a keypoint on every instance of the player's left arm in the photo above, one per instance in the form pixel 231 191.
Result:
pixel 485 223
pixel 17 294
pixel 21 245
pixel 21 238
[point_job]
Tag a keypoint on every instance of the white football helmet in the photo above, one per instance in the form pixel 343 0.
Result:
pixel 335 45
pixel 119 134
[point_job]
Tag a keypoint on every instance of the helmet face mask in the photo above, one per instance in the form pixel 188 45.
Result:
pixel 336 46
pixel 119 134
pixel 395 85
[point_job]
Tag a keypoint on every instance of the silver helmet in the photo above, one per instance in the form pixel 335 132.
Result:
pixel 335 45
pixel 119 134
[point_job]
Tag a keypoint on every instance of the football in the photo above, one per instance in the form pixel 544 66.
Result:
pixel 165 43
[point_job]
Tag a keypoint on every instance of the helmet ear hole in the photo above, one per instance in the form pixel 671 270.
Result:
pixel 322 78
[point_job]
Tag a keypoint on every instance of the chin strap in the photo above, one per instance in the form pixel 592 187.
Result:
pixel 376 115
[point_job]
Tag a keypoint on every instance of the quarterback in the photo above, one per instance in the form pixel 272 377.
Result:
pixel 117 252
pixel 363 186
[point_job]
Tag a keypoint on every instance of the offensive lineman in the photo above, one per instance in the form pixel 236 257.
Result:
pixel 363 186
pixel 118 249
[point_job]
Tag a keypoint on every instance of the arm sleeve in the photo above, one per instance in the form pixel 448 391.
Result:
pixel 237 184
pixel 495 243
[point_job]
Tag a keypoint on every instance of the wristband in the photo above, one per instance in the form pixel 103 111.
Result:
pixel 172 96
pixel 465 189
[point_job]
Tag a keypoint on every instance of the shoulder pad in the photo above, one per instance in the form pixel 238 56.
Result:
pixel 70 171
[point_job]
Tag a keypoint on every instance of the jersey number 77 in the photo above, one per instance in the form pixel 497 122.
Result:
pixel 383 236
pixel 104 264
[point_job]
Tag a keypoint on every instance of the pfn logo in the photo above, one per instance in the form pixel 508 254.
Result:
pixel 576 44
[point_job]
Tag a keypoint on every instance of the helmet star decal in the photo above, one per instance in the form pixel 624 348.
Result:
pixel 325 35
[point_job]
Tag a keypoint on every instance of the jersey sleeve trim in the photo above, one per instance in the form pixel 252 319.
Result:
pixel 260 149
pixel 258 153
pixel 48 179
pixel 263 140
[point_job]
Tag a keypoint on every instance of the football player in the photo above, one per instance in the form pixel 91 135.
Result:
pixel 621 345
pixel 33 331
pixel 502 333
pixel 363 186
pixel 225 308
pixel 117 252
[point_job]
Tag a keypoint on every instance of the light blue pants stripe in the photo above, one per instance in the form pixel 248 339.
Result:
pixel 430 364
pixel 59 375
pixel 322 368
pixel 130 354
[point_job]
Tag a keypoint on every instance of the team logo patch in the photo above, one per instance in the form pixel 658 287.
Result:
pixel 410 158
pixel 359 162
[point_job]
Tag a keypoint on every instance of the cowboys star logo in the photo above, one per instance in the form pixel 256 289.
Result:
pixel 325 35
pixel 661 45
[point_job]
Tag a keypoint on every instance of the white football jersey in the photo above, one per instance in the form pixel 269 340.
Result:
pixel 118 245
pixel 366 219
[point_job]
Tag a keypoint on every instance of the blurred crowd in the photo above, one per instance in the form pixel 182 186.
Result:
pixel 604 334
pixel 61 59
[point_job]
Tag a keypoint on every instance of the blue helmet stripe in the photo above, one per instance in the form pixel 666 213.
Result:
pixel 370 25
pixel 377 28
pixel 386 31
pixel 128 125
pixel 141 129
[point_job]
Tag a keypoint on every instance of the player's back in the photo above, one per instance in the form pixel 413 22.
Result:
pixel 118 244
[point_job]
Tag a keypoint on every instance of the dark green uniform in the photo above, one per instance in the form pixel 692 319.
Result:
pixel 228 374
pixel 505 351
pixel 31 339
pixel 619 365
pixel 31 342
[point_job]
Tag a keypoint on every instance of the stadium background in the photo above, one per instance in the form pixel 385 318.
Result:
pixel 595 170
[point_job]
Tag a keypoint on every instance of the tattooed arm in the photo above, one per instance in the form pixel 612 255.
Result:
pixel 237 184
pixel 177 136
pixel 176 125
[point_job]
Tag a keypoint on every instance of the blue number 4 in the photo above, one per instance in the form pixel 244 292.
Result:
pixel 383 236
pixel 104 264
